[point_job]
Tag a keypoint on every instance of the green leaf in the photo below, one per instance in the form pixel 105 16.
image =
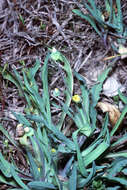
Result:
pixel 84 181
pixel 122 97
pixel 99 150
pixel 5 132
pixel 37 185
pixel 119 121
pixel 10 77
pixel 67 168
pixel 53 129
pixel 32 71
pixel 45 88
pixel 81 162
pixel 113 188
pixel 21 19
pixel 68 80
pixel 33 167
pixel 96 89
pixel 117 166
pixel 5 167
pixel 73 178
pixel 120 141
pixel 22 119
pixel 5 180
pixel 18 179
pixel 116 155
pixel 91 147
pixel 82 123
pixel 119 16
pixel 122 181
pixel 96 153
pixel 87 18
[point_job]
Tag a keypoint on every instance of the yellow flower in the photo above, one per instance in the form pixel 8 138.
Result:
pixel 76 98
pixel 39 169
pixel 53 150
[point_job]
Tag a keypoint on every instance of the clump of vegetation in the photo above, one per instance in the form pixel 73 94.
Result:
pixel 91 156
pixel 45 145
pixel 108 22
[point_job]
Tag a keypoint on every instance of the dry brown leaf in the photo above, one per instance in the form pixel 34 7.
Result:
pixel 122 51
pixel 113 111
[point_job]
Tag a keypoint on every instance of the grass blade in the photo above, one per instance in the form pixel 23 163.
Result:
pixel 122 97
pixel 57 56
pixel 81 162
pixel 119 121
pixel 5 132
pixel 87 18
pixel 37 185
pixel 73 179
pixel 45 88
pixel 18 179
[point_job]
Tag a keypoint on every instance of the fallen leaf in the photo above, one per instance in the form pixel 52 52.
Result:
pixel 111 86
pixel 122 51
pixel 113 111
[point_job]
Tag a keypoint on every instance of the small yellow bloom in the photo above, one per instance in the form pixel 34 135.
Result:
pixel 53 150
pixel 76 98
pixel 39 169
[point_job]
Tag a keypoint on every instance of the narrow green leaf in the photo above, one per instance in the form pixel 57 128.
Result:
pixel 119 16
pixel 18 180
pixel 5 132
pixel 122 97
pixel 87 18
pixel 5 166
pixel 84 181
pixel 45 88
pixel 73 179
pixel 85 102
pixel 91 147
pixel 53 129
pixel 96 89
pixel 22 119
pixel 37 185
pixel 96 153
pixel 5 180
pixel 120 141
pixel 119 121
pixel 33 167
pixel 68 80
pixel 9 76
pixel 81 162
pixel 114 188
pixel 122 181
pixel 116 155
pixel 67 168
pixel 33 70
pixel 99 150
pixel 117 166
